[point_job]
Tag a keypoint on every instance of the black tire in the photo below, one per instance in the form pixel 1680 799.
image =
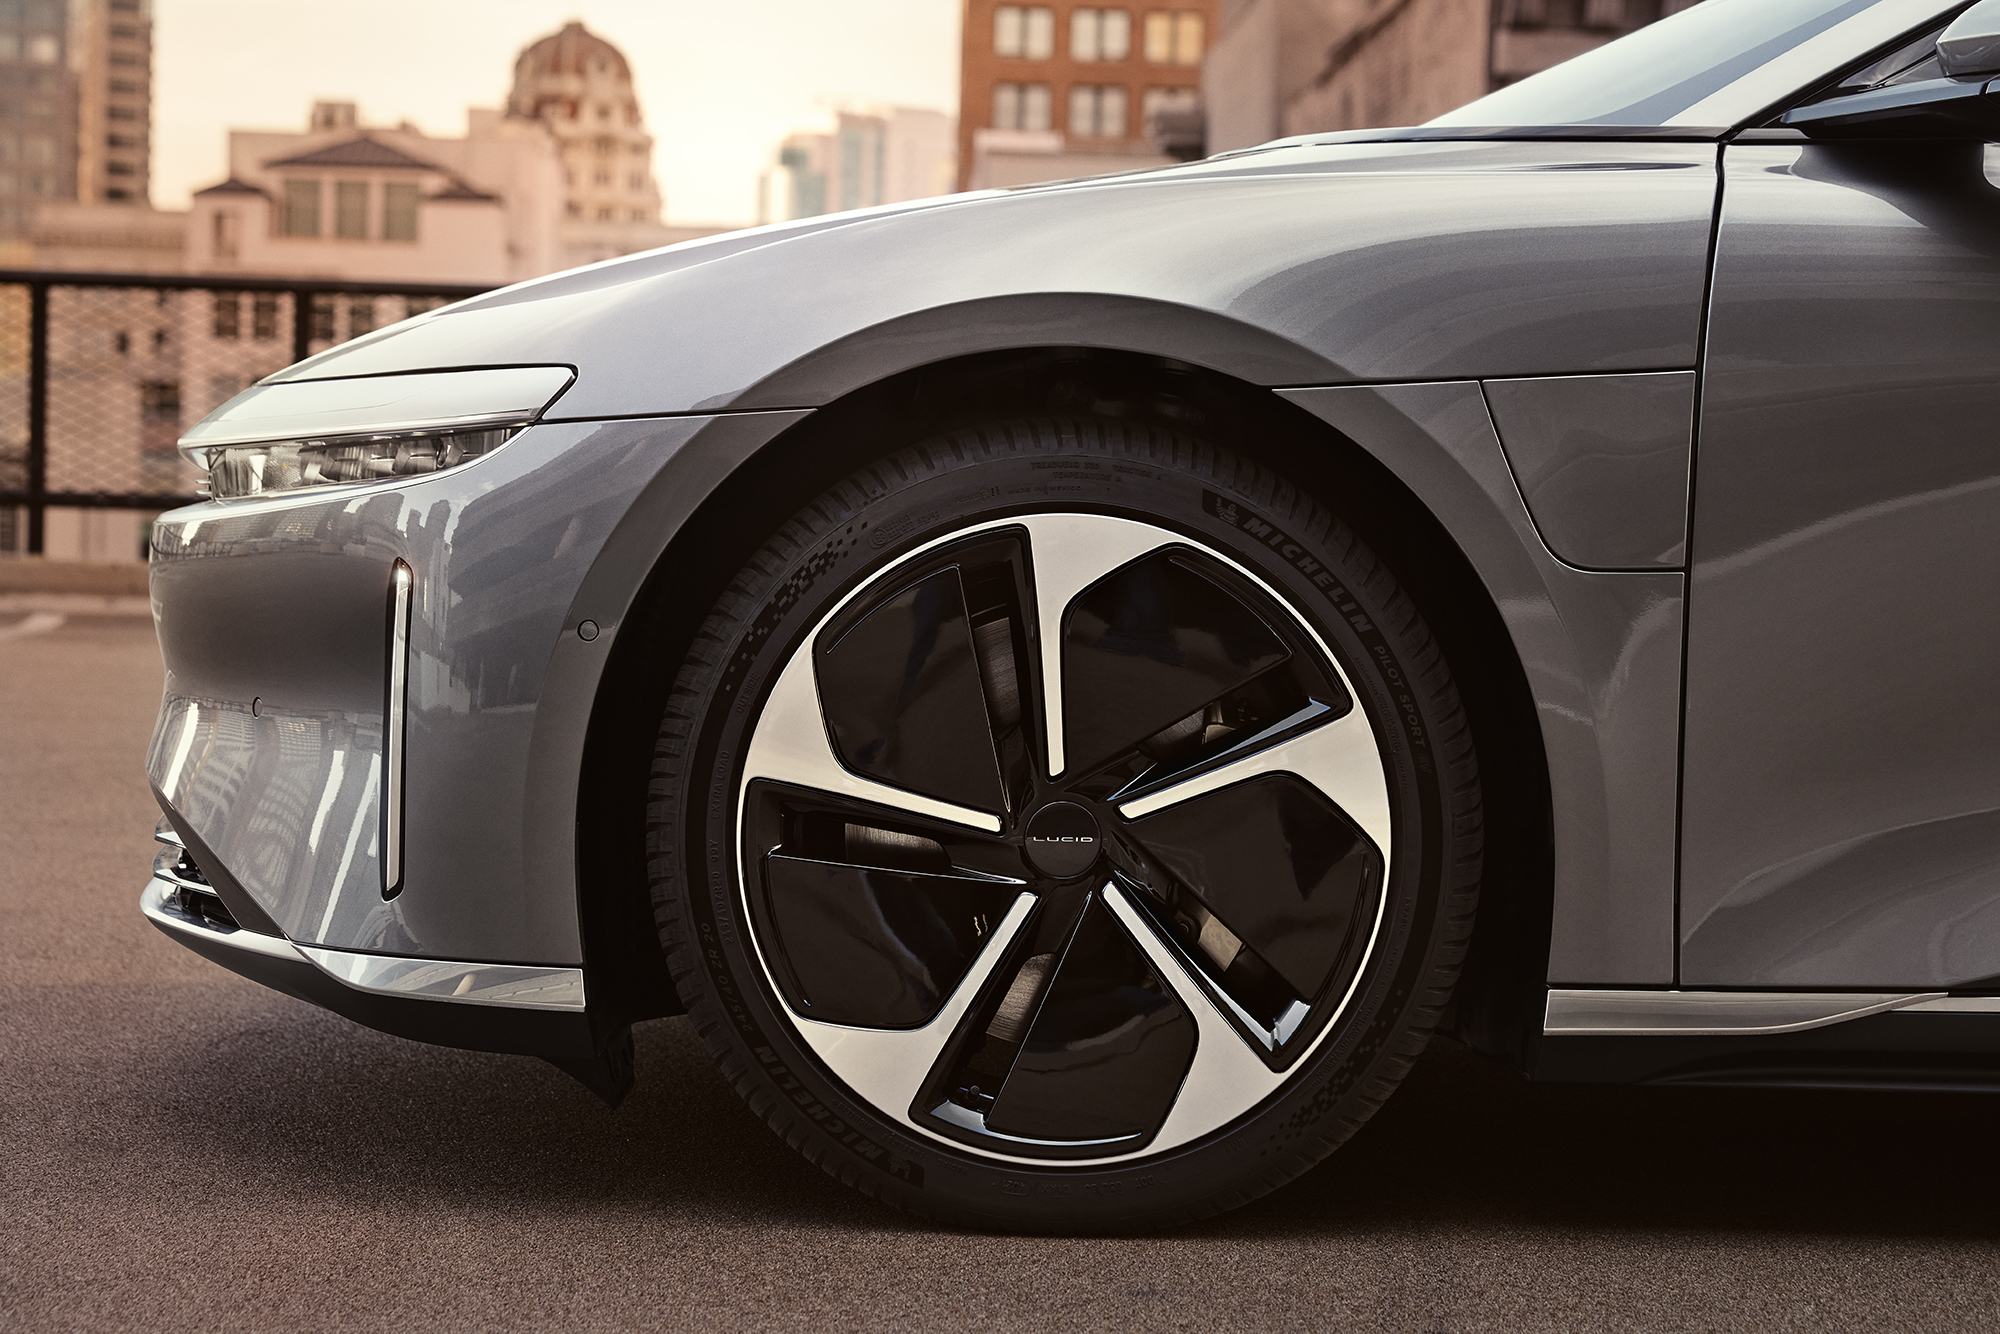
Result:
pixel 1225 504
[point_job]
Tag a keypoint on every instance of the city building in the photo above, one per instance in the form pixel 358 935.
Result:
pixel 578 87
pixel 114 109
pixel 867 158
pixel 340 199
pixel 1284 67
pixel 562 176
pixel 75 105
pixel 1048 91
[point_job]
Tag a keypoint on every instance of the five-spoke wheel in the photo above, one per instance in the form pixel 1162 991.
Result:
pixel 1058 831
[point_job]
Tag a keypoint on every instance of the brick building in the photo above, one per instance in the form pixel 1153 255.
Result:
pixel 1054 90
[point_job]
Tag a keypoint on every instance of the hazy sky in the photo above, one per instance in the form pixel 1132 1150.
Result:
pixel 720 81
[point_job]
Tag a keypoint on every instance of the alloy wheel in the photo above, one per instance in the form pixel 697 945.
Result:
pixel 1063 840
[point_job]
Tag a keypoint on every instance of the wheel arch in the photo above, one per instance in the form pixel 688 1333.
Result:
pixel 1494 1009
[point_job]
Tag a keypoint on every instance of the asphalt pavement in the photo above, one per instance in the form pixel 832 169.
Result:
pixel 181 1149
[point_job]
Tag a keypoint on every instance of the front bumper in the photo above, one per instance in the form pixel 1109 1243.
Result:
pixel 528 1010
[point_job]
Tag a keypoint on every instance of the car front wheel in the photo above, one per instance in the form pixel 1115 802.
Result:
pixel 1065 824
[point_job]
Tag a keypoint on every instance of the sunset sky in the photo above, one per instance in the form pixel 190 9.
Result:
pixel 720 81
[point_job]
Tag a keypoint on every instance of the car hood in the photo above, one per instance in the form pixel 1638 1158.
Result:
pixel 1300 263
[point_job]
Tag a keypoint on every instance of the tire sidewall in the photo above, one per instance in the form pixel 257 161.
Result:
pixel 928 492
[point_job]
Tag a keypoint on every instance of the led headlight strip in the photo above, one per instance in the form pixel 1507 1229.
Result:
pixel 275 438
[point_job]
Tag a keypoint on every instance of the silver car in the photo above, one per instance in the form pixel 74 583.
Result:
pixel 1070 688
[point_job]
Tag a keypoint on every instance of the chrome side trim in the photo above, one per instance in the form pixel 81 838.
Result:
pixel 523 986
pixel 154 902
pixel 392 732
pixel 164 832
pixel 1810 61
pixel 1712 1013
pixel 1955 1005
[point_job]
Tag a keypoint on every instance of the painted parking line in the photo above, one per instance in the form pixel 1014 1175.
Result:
pixel 37 623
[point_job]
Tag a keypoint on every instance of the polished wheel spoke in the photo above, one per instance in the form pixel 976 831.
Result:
pixel 888 1067
pixel 1229 1075
pixel 1339 758
pixel 791 746
pixel 1070 553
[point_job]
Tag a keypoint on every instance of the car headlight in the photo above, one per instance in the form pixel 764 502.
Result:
pixel 287 436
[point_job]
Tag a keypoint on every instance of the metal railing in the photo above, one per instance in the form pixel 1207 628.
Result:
pixel 101 372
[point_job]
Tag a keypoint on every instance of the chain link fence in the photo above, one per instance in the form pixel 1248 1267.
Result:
pixel 100 374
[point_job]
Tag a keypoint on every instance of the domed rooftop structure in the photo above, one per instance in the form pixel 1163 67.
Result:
pixel 550 74
pixel 579 87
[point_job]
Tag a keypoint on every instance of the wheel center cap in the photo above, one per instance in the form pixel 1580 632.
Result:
pixel 1062 840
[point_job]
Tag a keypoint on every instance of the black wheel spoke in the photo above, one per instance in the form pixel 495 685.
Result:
pixel 903 696
pixel 1147 650
pixel 872 947
pixel 1106 1050
pixel 1269 889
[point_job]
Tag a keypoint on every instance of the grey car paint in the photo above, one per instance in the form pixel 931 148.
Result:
pixel 1602 462
pixel 1379 262
pixel 1471 259
pixel 281 603
pixel 1842 722
pixel 1602 655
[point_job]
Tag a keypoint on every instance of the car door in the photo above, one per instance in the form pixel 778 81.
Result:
pixel 1841 804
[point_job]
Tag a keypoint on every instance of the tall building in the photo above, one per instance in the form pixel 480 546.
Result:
pixel 114 116
pixel 75 105
pixel 1048 91
pixel 1284 67
pixel 578 87
pixel 868 158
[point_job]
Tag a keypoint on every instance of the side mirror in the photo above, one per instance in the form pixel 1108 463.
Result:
pixel 1950 93
pixel 1971 45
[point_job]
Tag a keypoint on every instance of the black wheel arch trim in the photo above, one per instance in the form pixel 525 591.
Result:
pixel 681 541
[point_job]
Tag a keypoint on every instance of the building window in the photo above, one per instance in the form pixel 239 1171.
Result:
pixel 399 211
pixel 1100 34
pixel 122 113
pixel 264 315
pixel 638 180
pixel 1604 14
pixel 638 215
pixel 323 313
pixel 1020 106
pixel 301 212
pixel 226 314
pixel 1097 110
pixel 602 179
pixel 350 210
pixel 160 402
pixel 127 87
pixel 1028 31
pixel 360 315
pixel 1174 38
pixel 120 169
pixel 604 215
pixel 44 49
